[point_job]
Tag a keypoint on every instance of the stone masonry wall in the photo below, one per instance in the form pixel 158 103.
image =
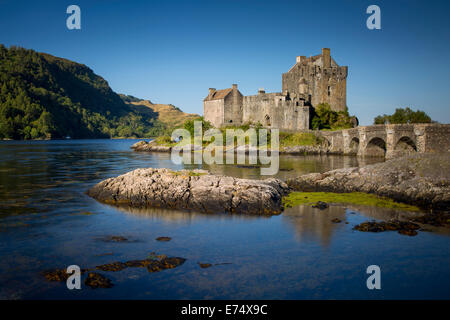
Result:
pixel 213 111
pixel 273 111
pixel 327 85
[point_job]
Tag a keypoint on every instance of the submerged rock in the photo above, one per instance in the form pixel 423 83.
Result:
pixel 114 266
pixel 321 205
pixel 403 227
pixel 115 239
pixel 154 263
pixel 420 179
pixel 96 280
pixel 205 265
pixel 192 190
pixel 164 239
pixel 166 263
pixel 336 220
pixel 59 275
pixel 138 263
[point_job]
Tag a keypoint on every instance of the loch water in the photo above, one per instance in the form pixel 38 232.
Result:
pixel 47 222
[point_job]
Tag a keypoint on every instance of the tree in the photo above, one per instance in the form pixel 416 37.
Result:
pixel 189 125
pixel 405 115
pixel 325 118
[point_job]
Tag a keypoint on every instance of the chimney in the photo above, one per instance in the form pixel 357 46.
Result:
pixel 212 90
pixel 326 58
pixel 234 86
pixel 299 59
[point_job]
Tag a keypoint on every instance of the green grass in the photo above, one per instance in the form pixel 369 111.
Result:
pixel 164 141
pixel 358 198
pixel 299 139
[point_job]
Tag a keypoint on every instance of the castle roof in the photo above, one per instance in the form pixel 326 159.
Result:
pixel 218 94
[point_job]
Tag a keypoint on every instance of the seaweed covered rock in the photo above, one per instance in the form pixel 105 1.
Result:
pixel 403 227
pixel 97 280
pixel 192 190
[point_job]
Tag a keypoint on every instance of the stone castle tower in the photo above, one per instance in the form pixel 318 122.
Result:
pixel 311 81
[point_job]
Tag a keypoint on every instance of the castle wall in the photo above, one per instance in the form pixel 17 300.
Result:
pixel 233 108
pixel 273 111
pixel 213 111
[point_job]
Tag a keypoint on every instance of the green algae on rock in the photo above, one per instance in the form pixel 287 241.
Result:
pixel 358 198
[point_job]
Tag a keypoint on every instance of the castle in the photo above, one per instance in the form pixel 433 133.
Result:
pixel 311 81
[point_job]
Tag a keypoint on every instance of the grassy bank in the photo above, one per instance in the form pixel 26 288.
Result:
pixel 285 139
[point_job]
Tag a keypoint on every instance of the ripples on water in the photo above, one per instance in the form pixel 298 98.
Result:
pixel 47 221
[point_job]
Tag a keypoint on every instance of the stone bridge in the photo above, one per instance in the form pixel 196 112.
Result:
pixel 389 140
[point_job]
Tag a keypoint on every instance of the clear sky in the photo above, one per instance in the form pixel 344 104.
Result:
pixel 173 51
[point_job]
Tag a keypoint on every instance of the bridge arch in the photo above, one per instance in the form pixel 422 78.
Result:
pixel 354 145
pixel 376 147
pixel 405 145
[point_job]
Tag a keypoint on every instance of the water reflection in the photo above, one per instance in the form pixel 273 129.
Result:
pixel 289 166
pixel 311 224
pixel 185 217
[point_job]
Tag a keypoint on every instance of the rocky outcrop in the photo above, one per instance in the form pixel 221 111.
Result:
pixel 421 179
pixel 192 190
pixel 150 147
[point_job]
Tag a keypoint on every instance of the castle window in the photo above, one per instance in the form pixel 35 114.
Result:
pixel 329 90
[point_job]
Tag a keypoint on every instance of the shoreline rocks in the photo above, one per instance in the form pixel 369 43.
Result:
pixel 144 146
pixel 420 179
pixel 150 147
pixel 192 190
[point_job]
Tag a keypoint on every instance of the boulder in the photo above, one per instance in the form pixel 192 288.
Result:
pixel 191 190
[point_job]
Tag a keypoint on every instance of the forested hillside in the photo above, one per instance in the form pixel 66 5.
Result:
pixel 43 97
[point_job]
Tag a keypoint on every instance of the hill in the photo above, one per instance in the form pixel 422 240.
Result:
pixel 46 97
pixel 167 114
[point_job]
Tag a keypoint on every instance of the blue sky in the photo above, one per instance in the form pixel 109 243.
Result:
pixel 173 51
